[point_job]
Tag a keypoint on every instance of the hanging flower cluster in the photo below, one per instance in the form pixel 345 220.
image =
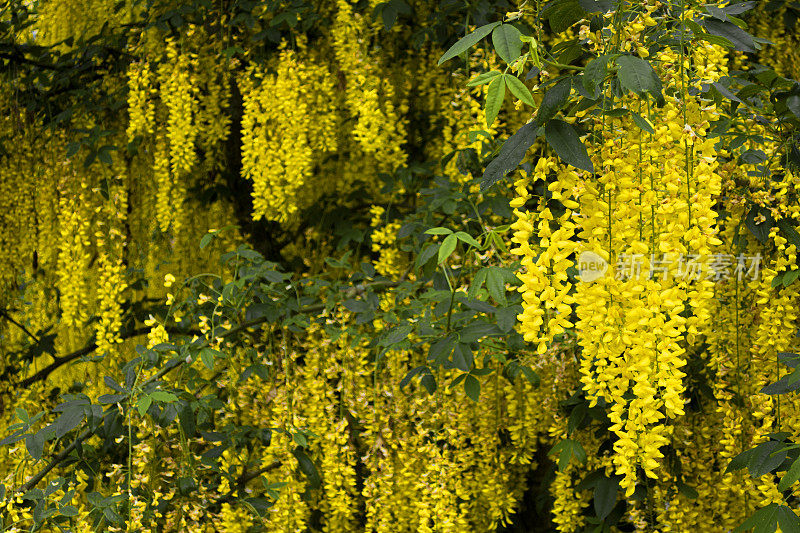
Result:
pixel 141 108
pixel 179 87
pixel 380 128
pixel 283 139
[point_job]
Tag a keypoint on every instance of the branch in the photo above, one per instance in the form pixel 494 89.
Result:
pixel 21 59
pixel 247 477
pixel 60 456
pixel 171 365
pixel 20 326
pixel 64 359
pixel 243 480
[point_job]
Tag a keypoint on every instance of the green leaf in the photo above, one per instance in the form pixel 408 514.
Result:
pixel 789 232
pixel 104 155
pixel 499 243
pixel 484 78
pixel 590 480
pixel 477 283
pixel 793 103
pixel 507 42
pixel 163 396
pixel 429 382
pixel 69 510
pixel 716 12
pixel 752 157
pixel 22 414
pixel 72 149
pixel 791 476
pixel 35 445
pixel 740 39
pixel 507 317
pixel 397 334
pixel 510 156
pixel 467 41
pixel 112 516
pixel 206 239
pixel 519 90
pixel 356 306
pixel 577 416
pixel 472 387
pixel 207 357
pixel 593 6
pixel 462 357
pixel 566 449
pixel 740 7
pixel 714 39
pixel 456 381
pixel 89 159
pixel 477 330
pixel 495 283
pixel 110 398
pixel 439 231
pixel 467 238
pixel 307 467
pixel 479 305
pixel 494 99
pixel 564 140
pixel 553 100
pixel 785 385
pixel 594 74
pixel 17 436
pixel 389 15
pixel 563 14
pixel 187 420
pixel 642 122
pixel 788 521
pixel 605 496
pixel 447 248
pixel 740 461
pixel 761 230
pixel 259 506
pixel 638 76
pixel 144 404
pixel 440 350
pixel 692 26
pixel 617 112
pixel 531 375
pixel 113 384
pixel 411 373
pixel 762 521
pixel 68 421
pixel 792 360
pixel 300 439
pixel 766 458
pixel 232 51
pixel 427 254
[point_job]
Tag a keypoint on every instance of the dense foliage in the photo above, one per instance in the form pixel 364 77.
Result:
pixel 399 265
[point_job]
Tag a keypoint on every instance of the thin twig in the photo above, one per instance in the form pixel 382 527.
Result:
pixel 20 326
